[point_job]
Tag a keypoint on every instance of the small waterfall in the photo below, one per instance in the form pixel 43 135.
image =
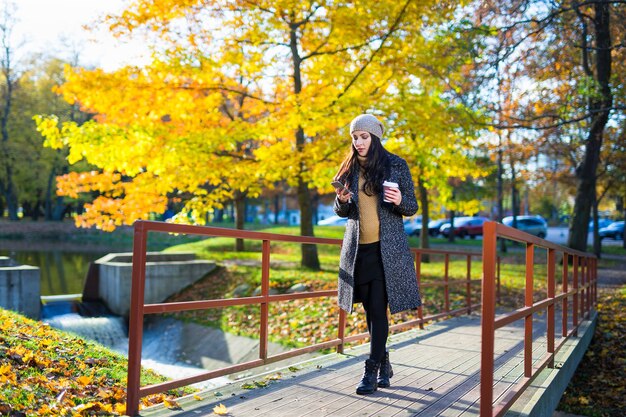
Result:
pixel 108 331
pixel 111 331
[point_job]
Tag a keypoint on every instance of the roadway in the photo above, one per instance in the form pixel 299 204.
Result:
pixel 559 236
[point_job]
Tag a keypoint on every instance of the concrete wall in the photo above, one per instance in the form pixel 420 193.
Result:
pixel 19 288
pixel 166 274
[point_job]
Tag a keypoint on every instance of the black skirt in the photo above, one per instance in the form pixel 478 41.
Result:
pixel 369 264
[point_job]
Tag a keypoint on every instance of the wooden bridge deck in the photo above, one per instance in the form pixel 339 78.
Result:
pixel 436 373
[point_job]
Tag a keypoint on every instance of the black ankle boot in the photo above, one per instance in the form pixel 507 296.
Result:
pixel 385 373
pixel 368 383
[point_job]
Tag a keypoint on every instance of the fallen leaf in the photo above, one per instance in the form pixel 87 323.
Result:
pixel 220 410
pixel 171 404
pixel 84 380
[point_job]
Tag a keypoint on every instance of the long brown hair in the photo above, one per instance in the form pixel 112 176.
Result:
pixel 375 172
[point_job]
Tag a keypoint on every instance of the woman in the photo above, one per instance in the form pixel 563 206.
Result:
pixel 376 266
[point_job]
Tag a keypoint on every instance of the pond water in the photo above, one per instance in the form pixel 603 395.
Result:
pixel 61 272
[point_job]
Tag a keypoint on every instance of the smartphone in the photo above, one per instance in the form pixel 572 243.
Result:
pixel 338 185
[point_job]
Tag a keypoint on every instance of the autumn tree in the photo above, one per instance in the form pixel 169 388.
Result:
pixel 304 70
pixel 566 52
pixel 169 134
pixel 35 175
pixel 8 84
pixel 430 127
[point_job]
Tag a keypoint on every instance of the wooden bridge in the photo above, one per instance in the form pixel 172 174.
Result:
pixel 482 361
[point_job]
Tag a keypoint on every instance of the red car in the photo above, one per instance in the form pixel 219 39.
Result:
pixel 465 226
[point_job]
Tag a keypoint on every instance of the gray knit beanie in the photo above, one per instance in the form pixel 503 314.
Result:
pixel 367 123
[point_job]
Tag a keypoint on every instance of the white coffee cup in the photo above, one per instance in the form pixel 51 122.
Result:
pixel 389 184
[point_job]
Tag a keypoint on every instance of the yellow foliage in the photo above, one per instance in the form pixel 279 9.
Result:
pixel 213 115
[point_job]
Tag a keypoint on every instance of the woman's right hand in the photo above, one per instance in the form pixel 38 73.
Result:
pixel 343 195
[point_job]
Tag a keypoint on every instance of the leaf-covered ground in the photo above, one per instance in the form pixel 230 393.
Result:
pixel 46 372
pixel 598 388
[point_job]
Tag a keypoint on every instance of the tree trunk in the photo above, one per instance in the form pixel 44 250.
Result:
pixel 58 209
pixel 276 208
pixel 597 244
pixel 240 217
pixel 451 234
pixel 424 236
pixel 500 192
pixel 309 252
pixel 7 186
pixel 514 195
pixel 599 109
pixel 48 196
pixel 8 191
pixel 624 235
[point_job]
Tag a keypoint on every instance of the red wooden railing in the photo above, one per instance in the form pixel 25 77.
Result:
pixel 139 309
pixel 583 295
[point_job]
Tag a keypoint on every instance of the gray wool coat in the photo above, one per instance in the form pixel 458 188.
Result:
pixel 398 264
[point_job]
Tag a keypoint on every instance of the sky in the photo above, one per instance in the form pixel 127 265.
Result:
pixel 55 27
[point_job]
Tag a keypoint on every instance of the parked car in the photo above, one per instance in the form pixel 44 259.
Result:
pixel 615 231
pixel 533 225
pixel 333 221
pixel 413 226
pixel 435 225
pixel 602 223
pixel 465 226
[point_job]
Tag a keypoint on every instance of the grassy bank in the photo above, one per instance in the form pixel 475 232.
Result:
pixel 598 388
pixel 47 372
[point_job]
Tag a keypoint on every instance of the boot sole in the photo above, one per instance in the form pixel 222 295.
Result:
pixel 366 392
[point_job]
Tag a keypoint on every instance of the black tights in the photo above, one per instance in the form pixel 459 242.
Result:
pixel 374 297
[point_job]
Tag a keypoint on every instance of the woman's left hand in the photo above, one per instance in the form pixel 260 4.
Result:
pixel 393 195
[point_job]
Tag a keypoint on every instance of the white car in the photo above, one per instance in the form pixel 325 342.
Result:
pixel 413 225
pixel 533 225
pixel 333 221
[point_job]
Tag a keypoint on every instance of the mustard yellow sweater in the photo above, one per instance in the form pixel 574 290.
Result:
pixel 369 223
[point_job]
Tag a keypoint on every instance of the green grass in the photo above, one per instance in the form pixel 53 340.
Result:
pixel 49 372
pixel 610 250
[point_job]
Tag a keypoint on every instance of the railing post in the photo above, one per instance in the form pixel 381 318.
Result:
pixel 575 301
pixel 528 302
pixel 499 295
pixel 418 273
pixel 581 285
pixel 135 322
pixel 446 285
pixel 265 292
pixel 551 295
pixel 468 287
pixel 341 333
pixel 565 287
pixel 488 319
pixel 595 282
pixel 588 282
